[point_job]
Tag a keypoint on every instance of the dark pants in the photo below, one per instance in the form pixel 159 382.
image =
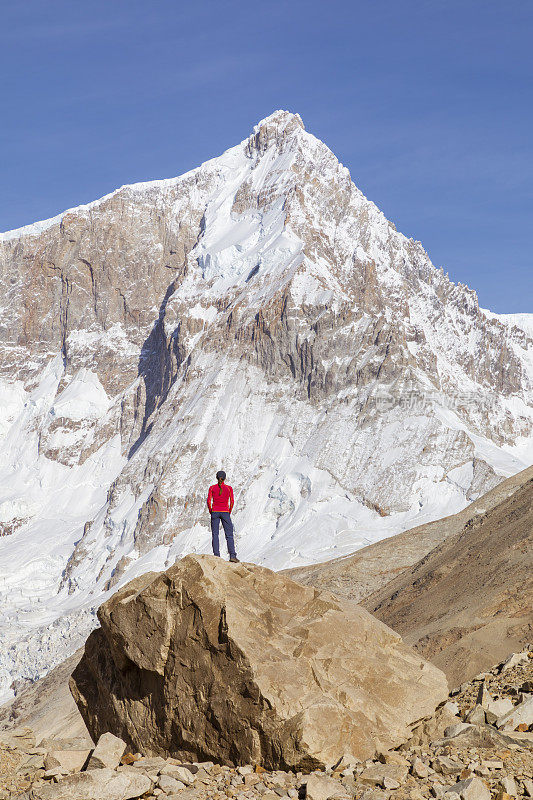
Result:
pixel 227 524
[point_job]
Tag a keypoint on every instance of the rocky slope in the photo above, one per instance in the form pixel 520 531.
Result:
pixel 46 706
pixel 445 758
pixel 257 313
pixel 470 598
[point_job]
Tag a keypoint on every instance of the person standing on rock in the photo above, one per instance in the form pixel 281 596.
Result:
pixel 220 505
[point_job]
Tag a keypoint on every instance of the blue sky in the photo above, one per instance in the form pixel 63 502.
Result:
pixel 429 104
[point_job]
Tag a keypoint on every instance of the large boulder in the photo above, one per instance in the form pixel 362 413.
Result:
pixel 235 663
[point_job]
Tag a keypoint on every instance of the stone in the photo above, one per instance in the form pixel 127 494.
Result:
pixel 178 773
pixel 294 684
pixel 474 737
pixel 168 784
pixel 130 758
pixel 374 794
pixel 528 787
pixel 515 660
pixel 67 760
pixel 390 783
pixel 156 763
pixel 483 696
pixel 523 712
pixel 393 757
pixel 96 784
pixel 419 769
pixel 107 753
pixel 508 784
pixel 33 762
pixel 492 763
pixel 471 789
pixel 185 794
pixel 23 738
pixel 453 730
pixel 375 775
pixel 476 716
pixel 320 787
pixel 74 743
pixel 498 708
pixel 482 771
pixel 446 766
pixel 452 708
pixel 54 772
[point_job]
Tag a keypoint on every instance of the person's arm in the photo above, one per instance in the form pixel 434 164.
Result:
pixel 209 501
pixel 230 499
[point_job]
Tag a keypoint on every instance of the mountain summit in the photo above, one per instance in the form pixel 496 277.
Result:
pixel 256 314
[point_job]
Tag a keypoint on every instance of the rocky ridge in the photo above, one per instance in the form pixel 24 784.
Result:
pixel 445 758
pixel 470 598
pixel 367 390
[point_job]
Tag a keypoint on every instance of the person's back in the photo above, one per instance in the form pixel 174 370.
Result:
pixel 220 505
pixel 221 497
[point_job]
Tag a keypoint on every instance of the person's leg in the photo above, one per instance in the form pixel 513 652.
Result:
pixel 227 524
pixel 215 521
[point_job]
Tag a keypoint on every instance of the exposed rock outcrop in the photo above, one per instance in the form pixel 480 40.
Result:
pixel 237 664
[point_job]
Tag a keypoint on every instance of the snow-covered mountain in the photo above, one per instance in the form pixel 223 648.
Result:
pixel 257 314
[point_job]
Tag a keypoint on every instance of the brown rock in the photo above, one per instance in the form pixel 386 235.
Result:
pixel 320 787
pixel 129 758
pixel 107 753
pixel 419 769
pixel 523 712
pixel 98 784
pixel 471 789
pixel 67 760
pixel 241 664
pixel 377 773
pixel 169 784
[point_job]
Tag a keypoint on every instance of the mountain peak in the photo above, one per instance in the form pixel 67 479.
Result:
pixel 280 119
pixel 280 127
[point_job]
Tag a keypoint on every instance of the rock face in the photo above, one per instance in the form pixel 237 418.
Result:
pixel 258 311
pixel 235 663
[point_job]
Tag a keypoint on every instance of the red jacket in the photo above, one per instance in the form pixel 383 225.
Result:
pixel 220 500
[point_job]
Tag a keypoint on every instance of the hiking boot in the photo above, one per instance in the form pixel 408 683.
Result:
pixel 234 560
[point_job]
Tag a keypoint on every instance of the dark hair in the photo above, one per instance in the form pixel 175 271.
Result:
pixel 221 475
